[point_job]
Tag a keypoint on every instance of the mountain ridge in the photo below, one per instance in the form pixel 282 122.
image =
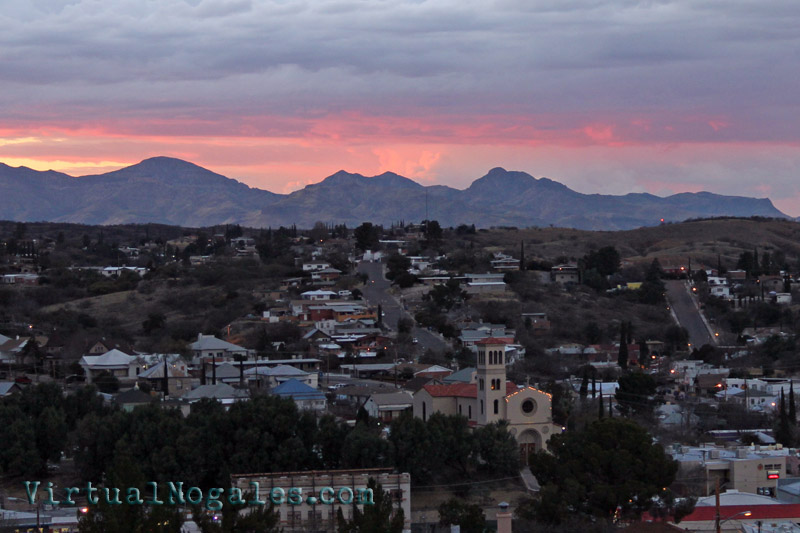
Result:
pixel 173 191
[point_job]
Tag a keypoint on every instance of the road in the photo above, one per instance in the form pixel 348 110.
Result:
pixel 376 291
pixel 686 309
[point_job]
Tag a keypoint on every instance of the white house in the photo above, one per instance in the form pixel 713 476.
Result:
pixel 119 364
pixel 208 346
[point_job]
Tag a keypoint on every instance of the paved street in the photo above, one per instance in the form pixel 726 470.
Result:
pixel 376 292
pixel 685 308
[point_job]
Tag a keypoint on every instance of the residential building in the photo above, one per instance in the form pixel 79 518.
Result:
pixel 388 406
pixel 210 347
pixel 115 362
pixel 307 398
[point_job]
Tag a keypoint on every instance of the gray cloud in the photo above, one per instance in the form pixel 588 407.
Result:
pixel 597 60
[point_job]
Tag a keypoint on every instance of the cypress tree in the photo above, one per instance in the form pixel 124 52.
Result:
pixel 792 408
pixel 594 387
pixel 522 255
pixel 622 358
pixel 601 409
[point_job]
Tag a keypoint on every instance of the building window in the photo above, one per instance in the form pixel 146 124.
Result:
pixel 469 411
pixel 529 407
pixel 424 412
pixel 459 409
pixel 496 407
pixel 481 384
pixel 481 406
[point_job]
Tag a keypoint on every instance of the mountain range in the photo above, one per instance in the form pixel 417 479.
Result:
pixel 172 191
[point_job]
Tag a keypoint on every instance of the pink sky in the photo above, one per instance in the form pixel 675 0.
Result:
pixel 661 97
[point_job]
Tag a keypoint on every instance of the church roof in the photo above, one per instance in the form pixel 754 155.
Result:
pixel 462 390
pixel 495 340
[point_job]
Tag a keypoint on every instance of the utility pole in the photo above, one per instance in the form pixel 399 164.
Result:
pixel 716 514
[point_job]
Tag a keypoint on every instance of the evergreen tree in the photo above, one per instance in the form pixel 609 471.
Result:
pixel 522 255
pixel 783 433
pixel 622 358
pixel 601 409
pixel 584 384
pixel 792 407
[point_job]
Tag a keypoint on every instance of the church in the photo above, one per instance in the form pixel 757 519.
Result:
pixel 491 398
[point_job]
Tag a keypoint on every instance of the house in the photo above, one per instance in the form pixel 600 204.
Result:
pixel 271 376
pixel 224 373
pixel 21 279
pixel 538 322
pixel 210 347
pixel 565 274
pixel 132 398
pixel 9 388
pixel 504 263
pixel 465 375
pixel 307 398
pixel 11 349
pixel 115 362
pixel 178 381
pixel 319 295
pixel 315 266
pixel 221 392
pixel 388 406
pixel 492 398
pixel 326 274
pixel 433 372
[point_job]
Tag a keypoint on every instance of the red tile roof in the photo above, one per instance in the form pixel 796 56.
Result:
pixel 495 340
pixel 462 390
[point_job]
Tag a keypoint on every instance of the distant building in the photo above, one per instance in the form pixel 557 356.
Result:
pixel 320 517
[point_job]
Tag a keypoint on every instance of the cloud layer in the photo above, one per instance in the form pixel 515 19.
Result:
pixel 606 96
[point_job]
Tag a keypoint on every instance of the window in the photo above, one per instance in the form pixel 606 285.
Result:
pixel 424 412
pixel 480 383
pixel 496 407
pixel 529 406
pixel 469 412
pixel 481 406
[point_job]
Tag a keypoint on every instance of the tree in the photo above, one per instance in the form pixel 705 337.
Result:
pixel 605 261
pixel 106 382
pixel 367 236
pixel 622 357
pixel 635 392
pixel 396 265
pixel 455 512
pixel 612 464
pixel 381 517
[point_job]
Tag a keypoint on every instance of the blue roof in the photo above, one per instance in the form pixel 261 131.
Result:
pixel 297 391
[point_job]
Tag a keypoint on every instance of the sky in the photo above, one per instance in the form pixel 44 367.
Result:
pixel 605 96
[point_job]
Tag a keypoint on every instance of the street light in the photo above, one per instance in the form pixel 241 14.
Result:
pixel 722 521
